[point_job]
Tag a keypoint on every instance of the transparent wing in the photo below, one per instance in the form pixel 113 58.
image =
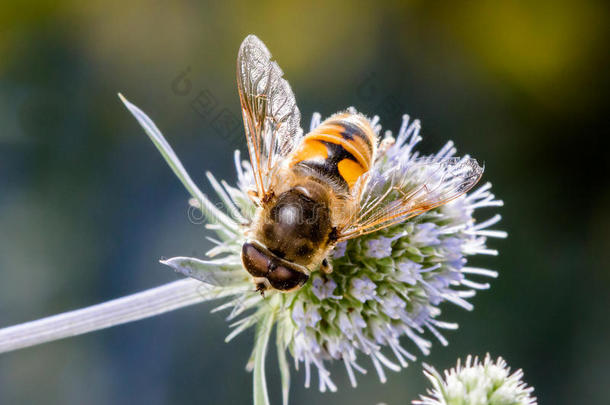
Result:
pixel 403 191
pixel 271 116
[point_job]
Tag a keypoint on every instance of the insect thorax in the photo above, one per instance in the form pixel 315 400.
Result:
pixel 296 224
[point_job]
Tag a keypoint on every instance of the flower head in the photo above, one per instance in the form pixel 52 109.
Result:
pixel 385 286
pixel 477 383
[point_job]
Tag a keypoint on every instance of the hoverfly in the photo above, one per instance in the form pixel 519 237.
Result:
pixel 326 187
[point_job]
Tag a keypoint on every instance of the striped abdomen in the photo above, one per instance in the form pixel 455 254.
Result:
pixel 339 150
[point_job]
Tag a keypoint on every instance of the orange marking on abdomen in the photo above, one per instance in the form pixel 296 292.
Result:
pixel 310 149
pixel 340 149
pixel 347 145
pixel 350 171
pixel 354 143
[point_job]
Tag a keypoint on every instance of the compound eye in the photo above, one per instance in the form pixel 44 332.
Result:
pixel 256 262
pixel 284 279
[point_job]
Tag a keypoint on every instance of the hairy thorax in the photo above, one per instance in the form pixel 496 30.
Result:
pixel 296 224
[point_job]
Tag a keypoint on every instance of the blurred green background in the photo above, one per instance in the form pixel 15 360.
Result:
pixel 87 205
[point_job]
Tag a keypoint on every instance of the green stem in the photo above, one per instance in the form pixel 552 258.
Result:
pixel 263 333
pixel 283 361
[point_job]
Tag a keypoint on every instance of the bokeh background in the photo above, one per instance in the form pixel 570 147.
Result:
pixel 87 205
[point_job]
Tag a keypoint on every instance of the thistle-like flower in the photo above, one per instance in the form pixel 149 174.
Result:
pixel 477 383
pixel 387 286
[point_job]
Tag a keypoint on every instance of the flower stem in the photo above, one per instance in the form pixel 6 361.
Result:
pixel 283 363
pixel 133 307
pixel 263 332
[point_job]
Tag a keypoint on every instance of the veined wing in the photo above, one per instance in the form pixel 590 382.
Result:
pixel 409 189
pixel 271 117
